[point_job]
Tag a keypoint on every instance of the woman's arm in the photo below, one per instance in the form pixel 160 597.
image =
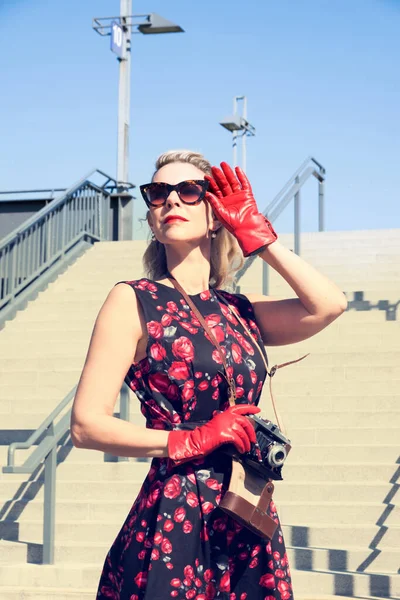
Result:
pixel 118 329
pixel 319 300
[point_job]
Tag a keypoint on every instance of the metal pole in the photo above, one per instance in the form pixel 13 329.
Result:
pixel 321 198
pixel 234 146
pixel 244 113
pixel 124 97
pixel 297 220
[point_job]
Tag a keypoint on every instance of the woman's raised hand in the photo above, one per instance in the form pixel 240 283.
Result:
pixel 228 427
pixel 233 203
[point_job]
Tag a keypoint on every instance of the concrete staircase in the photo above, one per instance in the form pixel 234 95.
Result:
pixel 340 406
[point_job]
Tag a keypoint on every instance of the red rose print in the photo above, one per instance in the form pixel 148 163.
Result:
pixel 253 376
pixel 198 374
pixel 279 573
pixel 182 314
pixel 243 596
pixel 208 575
pixel 213 484
pixel 166 546
pixel 250 396
pixel 178 370
pixel 134 385
pixel 174 593
pixel 225 582
pixel 173 487
pixel 276 555
pixel 190 594
pixel 189 328
pixel 142 554
pixel 239 379
pixel 189 572
pixel 179 514
pixel 154 494
pixel 158 537
pixel 267 580
pixel 205 295
pixel 253 563
pixel 219 524
pixel 237 353
pixel 191 478
pixel 188 391
pixel 227 313
pixel 203 385
pixel 176 582
pixel 141 580
pixel 166 320
pixel 229 371
pixel 283 586
pixel 207 507
pixel 155 329
pixel 155 554
pixel 183 348
pixel 212 320
pixel 219 334
pixel 140 536
pixel 157 351
pixel 187 527
pixel 217 357
pixel 256 550
pixel 172 307
pixel 239 392
pixel 243 555
pixel 168 525
pixel 169 565
pixel 197 582
pixel 201 597
pixel 270 564
pixel 192 499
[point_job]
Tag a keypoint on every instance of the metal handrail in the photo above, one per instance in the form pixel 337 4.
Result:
pixel 291 191
pixel 46 453
pixel 81 214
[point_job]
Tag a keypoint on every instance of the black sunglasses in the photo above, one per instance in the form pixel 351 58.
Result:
pixel 191 191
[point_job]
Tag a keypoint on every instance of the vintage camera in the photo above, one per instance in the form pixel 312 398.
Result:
pixel 268 456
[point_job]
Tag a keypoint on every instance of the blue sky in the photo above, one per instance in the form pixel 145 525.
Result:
pixel 321 78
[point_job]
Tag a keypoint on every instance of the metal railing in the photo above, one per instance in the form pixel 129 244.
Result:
pixel 291 191
pixel 46 453
pixel 81 214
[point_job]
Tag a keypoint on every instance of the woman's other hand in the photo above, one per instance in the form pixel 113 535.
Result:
pixel 233 203
pixel 228 427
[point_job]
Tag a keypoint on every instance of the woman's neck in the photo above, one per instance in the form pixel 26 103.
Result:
pixel 192 271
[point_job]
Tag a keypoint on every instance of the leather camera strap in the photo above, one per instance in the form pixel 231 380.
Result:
pixel 231 382
pixel 213 339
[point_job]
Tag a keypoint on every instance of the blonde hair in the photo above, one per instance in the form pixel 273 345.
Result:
pixel 226 256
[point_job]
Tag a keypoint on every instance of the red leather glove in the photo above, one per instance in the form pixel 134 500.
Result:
pixel 228 427
pixel 233 203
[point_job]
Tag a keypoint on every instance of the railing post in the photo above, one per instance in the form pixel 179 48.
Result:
pixel 297 219
pixel 265 278
pixel 49 505
pixel 124 410
pixel 13 269
pixel 321 205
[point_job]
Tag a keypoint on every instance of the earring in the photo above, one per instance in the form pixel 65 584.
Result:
pixel 213 235
pixel 153 237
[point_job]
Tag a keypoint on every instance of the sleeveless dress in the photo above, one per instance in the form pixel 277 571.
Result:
pixel 176 542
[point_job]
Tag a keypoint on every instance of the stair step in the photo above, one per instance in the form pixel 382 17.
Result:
pixel 312 491
pixel 319 535
pixel 290 513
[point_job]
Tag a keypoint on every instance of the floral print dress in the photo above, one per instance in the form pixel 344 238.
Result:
pixel 176 542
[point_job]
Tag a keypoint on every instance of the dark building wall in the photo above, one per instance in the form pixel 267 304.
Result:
pixel 14 213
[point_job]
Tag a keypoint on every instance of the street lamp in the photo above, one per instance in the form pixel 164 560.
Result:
pixel 238 123
pixel 120 29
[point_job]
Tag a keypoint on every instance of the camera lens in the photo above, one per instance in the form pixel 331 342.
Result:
pixel 276 455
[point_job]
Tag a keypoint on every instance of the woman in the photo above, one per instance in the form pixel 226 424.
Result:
pixel 176 542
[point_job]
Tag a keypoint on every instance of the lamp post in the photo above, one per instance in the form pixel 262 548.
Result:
pixel 238 124
pixel 121 28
